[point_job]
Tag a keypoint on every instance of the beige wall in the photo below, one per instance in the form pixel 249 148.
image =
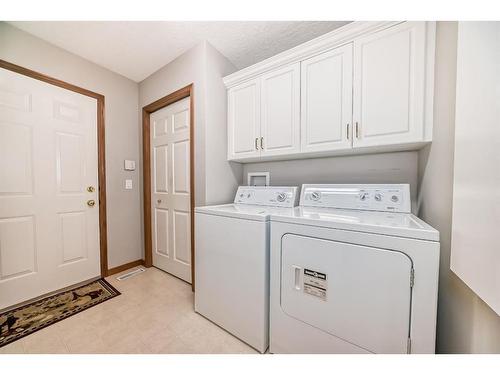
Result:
pixel 465 323
pixel 223 177
pixel 124 206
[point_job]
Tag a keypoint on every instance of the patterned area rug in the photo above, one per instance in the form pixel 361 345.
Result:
pixel 22 321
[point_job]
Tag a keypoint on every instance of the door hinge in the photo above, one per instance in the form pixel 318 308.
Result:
pixel 408 346
pixel 412 278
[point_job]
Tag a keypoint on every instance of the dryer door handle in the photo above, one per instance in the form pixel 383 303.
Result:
pixel 297 271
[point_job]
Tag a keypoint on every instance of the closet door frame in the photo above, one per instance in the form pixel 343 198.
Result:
pixel 180 94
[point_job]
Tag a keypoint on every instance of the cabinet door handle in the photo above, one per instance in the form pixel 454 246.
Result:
pixel 347 131
pixel 261 143
pixel 357 130
pixel 256 145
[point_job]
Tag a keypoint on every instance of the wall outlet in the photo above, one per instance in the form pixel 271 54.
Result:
pixel 128 184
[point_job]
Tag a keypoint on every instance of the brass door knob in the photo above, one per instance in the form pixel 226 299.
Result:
pixel 91 203
pixel 90 189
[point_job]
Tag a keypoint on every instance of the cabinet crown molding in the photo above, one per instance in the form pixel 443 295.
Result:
pixel 333 39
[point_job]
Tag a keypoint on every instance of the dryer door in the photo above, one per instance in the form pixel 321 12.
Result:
pixel 360 294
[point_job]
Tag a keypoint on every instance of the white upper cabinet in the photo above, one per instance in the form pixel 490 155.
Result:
pixel 326 101
pixel 244 120
pixel 280 109
pixel 365 87
pixel 389 78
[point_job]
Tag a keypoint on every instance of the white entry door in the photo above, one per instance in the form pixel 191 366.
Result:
pixel 170 195
pixel 49 235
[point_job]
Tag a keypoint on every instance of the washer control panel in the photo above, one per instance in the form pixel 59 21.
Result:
pixel 369 197
pixel 278 196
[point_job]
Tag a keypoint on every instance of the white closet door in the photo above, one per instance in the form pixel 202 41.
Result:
pixel 326 101
pixel 49 236
pixel 244 120
pixel 280 128
pixel 389 86
pixel 171 195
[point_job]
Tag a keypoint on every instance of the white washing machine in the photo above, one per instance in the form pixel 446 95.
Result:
pixel 232 261
pixel 353 271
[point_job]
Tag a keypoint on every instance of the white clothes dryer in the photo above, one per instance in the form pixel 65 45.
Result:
pixel 353 271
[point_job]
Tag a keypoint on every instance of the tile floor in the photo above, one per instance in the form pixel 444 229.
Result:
pixel 154 314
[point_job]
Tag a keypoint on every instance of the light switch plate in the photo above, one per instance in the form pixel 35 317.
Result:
pixel 129 165
pixel 128 184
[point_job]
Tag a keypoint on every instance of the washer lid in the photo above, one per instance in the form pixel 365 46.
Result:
pixel 386 223
pixel 244 211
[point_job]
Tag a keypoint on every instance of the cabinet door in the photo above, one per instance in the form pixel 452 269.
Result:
pixel 326 101
pixel 389 84
pixel 280 130
pixel 244 120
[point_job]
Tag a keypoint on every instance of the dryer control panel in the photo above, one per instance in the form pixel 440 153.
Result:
pixel 369 197
pixel 277 196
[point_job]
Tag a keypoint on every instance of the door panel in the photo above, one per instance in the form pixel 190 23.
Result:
pixel 16 155
pixel 244 120
pixel 180 164
pixel 70 160
pixel 73 239
pixel 17 247
pixel 326 101
pixel 161 231
pixel 357 293
pixel 389 76
pixel 161 169
pixel 49 237
pixel 280 128
pixel 181 236
pixel 170 198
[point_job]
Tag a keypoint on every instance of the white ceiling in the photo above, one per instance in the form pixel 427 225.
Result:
pixel 138 49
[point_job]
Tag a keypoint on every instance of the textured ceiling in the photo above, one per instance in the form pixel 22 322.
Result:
pixel 137 49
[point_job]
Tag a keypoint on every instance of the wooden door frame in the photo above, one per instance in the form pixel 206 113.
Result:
pixel 101 160
pixel 146 165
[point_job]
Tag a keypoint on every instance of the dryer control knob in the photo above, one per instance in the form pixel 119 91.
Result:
pixel 316 195
pixel 363 196
pixel 281 197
